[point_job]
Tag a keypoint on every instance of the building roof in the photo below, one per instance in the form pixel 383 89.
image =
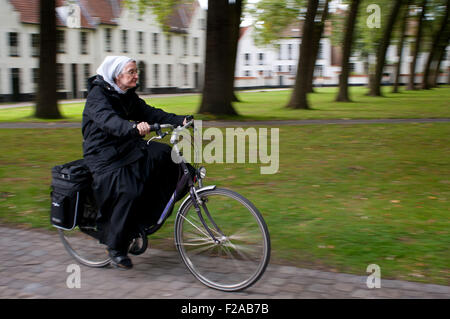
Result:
pixel 294 30
pixel 243 30
pixel 29 12
pixel 181 17
pixel 103 12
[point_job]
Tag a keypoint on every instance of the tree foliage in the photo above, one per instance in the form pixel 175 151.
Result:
pixel 161 9
pixel 272 17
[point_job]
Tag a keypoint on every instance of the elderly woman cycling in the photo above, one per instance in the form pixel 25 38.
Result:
pixel 132 181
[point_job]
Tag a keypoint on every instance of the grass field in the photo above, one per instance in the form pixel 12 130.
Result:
pixel 345 196
pixel 270 105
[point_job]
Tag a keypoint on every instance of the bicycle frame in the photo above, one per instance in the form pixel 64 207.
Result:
pixel 193 192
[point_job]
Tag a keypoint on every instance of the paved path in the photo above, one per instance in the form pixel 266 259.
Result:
pixel 33 264
pixel 17 125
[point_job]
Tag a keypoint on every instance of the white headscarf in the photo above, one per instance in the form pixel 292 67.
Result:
pixel 111 68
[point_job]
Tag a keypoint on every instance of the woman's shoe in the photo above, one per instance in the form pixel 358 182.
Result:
pixel 119 259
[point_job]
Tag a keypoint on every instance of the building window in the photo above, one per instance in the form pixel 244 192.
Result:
pixel 155 43
pixel 35 79
pixel 83 43
pixel 289 51
pixel 352 67
pixel 169 75
pixel 261 58
pixel 87 74
pixel 124 41
pixel 156 75
pixel 196 46
pixel 108 40
pixel 247 59
pixel 35 44
pixel 140 42
pixel 185 74
pixel 60 41
pixel 202 24
pixel 16 81
pixel 60 85
pixel 13 44
pixel 185 46
pixel 169 44
pixel 247 73
pixel 320 53
pixel 318 71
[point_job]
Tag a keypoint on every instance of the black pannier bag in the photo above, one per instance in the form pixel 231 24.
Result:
pixel 71 183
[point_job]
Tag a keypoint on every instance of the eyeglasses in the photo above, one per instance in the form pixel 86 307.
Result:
pixel 132 72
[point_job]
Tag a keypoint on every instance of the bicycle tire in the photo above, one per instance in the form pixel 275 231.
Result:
pixel 223 266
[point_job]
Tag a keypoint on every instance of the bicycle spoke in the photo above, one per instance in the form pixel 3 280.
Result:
pixel 207 235
pixel 230 254
pixel 240 249
pixel 201 249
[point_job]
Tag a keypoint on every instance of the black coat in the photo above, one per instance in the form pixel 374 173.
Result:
pixel 111 139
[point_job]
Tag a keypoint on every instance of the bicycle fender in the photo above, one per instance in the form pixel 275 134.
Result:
pixel 199 191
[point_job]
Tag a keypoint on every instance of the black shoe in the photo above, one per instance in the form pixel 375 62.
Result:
pixel 119 259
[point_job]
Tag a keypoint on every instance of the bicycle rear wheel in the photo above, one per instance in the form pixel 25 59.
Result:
pixel 242 251
pixel 84 248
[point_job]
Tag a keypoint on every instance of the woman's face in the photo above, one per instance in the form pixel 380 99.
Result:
pixel 128 78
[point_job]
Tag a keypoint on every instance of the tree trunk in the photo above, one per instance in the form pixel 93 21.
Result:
pixel 440 57
pixel 398 65
pixel 299 95
pixel 318 31
pixel 236 12
pixel 46 100
pixel 216 97
pixel 375 88
pixel 434 51
pixel 347 50
pixel 448 75
pixel 412 75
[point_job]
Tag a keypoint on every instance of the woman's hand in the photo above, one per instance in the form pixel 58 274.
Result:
pixel 187 119
pixel 143 128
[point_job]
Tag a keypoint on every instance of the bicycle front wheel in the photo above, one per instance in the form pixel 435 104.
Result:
pixel 241 252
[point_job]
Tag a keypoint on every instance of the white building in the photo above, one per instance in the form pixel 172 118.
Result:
pixel 276 65
pixel 90 30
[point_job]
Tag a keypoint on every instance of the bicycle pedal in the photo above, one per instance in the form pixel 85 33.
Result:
pixel 139 245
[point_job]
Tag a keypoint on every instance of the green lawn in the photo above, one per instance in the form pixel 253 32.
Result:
pixel 345 196
pixel 270 105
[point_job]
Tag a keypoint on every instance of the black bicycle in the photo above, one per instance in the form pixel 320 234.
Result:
pixel 220 235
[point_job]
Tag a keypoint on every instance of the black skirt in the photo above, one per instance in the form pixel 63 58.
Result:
pixel 134 195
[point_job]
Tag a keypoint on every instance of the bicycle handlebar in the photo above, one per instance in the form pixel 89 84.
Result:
pixel 158 127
